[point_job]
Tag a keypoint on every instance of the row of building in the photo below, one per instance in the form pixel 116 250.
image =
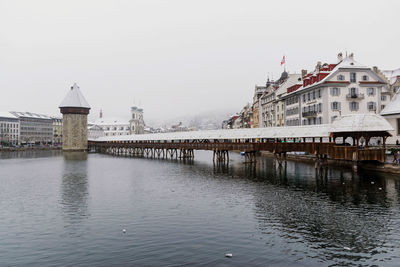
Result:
pixel 323 95
pixel 27 128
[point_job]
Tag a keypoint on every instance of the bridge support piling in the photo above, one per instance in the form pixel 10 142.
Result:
pixel 250 157
pixel 220 156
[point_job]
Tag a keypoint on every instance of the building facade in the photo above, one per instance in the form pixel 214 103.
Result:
pixel 34 128
pixel 115 126
pixel 57 130
pixel 333 90
pixel 392 114
pixel 95 131
pixel 9 129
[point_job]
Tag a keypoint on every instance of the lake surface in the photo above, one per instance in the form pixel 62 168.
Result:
pixel 70 209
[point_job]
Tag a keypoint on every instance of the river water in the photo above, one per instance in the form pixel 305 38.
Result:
pixel 70 209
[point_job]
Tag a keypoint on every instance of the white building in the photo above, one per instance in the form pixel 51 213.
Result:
pixel 267 106
pixel 332 90
pixel 34 128
pixel 95 131
pixel 9 129
pixel 280 102
pixel 392 114
pixel 115 127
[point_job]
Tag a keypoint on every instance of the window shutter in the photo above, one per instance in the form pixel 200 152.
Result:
pixel 339 106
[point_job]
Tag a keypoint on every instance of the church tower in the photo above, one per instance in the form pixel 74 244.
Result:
pixel 136 123
pixel 75 109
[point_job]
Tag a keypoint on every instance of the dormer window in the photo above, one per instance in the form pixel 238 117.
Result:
pixel 340 77
pixel 365 78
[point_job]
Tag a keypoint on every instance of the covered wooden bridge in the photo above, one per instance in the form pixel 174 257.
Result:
pixel 349 138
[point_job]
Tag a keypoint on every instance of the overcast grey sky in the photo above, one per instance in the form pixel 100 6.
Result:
pixel 177 57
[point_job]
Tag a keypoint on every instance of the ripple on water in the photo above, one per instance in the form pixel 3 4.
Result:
pixel 71 211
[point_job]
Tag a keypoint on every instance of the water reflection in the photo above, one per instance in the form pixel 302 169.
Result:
pixel 29 154
pixel 74 187
pixel 340 215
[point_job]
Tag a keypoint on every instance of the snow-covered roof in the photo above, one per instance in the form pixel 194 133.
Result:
pixel 392 75
pixel 348 123
pixel 360 123
pixel 8 115
pixel 346 63
pixel 110 121
pixel 244 133
pixel 291 80
pixel 350 63
pixel 74 98
pixel 94 127
pixel 19 114
pixel 393 107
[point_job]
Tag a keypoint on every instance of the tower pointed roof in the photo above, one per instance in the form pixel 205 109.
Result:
pixel 74 98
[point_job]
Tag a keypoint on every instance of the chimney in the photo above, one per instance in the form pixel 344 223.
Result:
pixel 351 55
pixel 375 68
pixel 318 67
pixel 340 57
pixel 101 113
pixel 303 73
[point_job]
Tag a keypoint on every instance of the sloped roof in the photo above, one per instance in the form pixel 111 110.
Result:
pixel 111 121
pixel 346 63
pixel 243 133
pixel 291 80
pixel 393 107
pixel 74 98
pixel 8 115
pixel 392 75
pixel 20 114
pixel 360 123
pixel 349 62
pixel 348 123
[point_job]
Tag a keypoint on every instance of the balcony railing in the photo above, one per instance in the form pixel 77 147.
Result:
pixel 309 113
pixel 355 96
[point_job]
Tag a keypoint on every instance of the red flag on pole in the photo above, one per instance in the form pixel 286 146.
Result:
pixel 283 60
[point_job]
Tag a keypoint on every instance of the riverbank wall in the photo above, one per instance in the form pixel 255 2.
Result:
pixel 17 149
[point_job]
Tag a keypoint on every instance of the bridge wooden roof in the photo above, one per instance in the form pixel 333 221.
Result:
pixel 348 124
pixel 246 133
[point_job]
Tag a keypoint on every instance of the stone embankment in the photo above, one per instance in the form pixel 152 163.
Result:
pixel 13 149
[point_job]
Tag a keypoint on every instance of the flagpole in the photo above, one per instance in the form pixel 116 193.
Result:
pixel 284 66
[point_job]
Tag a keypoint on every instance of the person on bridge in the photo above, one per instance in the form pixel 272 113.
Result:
pixel 395 156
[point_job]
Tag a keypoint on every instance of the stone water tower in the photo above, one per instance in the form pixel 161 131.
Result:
pixel 75 109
